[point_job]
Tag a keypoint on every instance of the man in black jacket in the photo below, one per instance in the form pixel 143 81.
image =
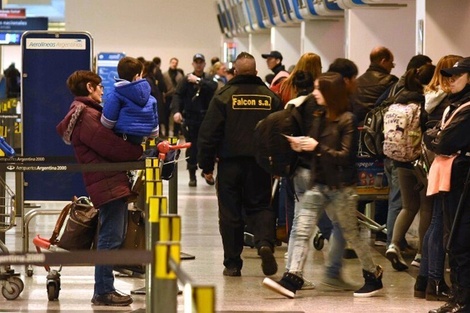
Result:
pixel 243 187
pixel 372 84
pixel 189 106
pixel 274 62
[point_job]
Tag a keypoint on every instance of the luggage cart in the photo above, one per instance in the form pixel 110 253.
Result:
pixel 53 276
pixel 10 283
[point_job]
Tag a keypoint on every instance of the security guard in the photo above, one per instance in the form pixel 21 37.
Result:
pixel 243 188
pixel 189 105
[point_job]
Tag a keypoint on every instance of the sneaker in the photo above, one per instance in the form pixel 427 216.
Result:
pixel 395 257
pixel 308 285
pixel 372 285
pixel 192 183
pixel 380 243
pixel 338 283
pixel 233 272
pixel 287 286
pixel 417 260
pixel 114 298
pixel 268 262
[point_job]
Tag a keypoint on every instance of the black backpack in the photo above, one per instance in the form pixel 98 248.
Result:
pixel 372 137
pixel 273 151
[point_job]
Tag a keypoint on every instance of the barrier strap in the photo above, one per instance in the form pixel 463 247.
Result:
pixel 80 258
pixel 92 167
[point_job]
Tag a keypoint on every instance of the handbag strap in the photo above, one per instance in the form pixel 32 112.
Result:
pixel 60 221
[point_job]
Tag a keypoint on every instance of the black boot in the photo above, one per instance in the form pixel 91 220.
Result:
pixel 192 178
pixel 372 284
pixel 462 301
pixel 437 290
pixel 420 287
pixel 287 286
pixel 450 304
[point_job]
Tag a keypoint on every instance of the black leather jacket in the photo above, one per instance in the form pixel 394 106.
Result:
pixel 370 86
pixel 333 162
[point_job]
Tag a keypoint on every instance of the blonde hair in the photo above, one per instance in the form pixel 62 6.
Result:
pixel 215 68
pixel 308 62
pixel 437 79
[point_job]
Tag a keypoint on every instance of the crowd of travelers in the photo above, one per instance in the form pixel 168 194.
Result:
pixel 218 109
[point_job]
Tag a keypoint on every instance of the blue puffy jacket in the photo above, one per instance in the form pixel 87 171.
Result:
pixel 130 109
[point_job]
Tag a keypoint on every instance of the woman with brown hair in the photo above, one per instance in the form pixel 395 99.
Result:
pixel 109 191
pixel 328 184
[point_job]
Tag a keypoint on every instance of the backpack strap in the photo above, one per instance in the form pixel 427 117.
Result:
pixel 460 108
pixel 393 95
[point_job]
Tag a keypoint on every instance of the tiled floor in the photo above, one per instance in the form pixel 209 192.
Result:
pixel 200 237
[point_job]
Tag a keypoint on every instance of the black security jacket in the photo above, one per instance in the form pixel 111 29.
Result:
pixel 192 100
pixel 227 129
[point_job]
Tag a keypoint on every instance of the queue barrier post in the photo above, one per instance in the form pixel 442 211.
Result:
pixel 155 203
pixel 202 299
pixel 173 184
pixel 166 286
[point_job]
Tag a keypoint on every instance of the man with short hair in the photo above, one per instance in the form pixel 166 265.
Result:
pixel 274 62
pixel 243 187
pixel 189 106
pixel 372 84
pixel 172 77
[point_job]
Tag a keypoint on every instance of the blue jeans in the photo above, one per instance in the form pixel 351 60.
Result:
pixel 432 253
pixel 113 223
pixel 394 198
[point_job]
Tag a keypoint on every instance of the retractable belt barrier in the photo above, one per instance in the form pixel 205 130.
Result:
pixel 163 237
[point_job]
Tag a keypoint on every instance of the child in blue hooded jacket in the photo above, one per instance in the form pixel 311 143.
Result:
pixel 130 110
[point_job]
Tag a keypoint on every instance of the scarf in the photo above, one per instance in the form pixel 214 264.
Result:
pixel 73 120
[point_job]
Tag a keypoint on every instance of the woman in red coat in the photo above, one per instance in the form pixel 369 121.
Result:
pixel 93 143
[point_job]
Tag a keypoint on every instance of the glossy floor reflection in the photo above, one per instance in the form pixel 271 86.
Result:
pixel 200 238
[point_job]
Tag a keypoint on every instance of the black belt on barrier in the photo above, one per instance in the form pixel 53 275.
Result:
pixel 91 167
pixel 80 258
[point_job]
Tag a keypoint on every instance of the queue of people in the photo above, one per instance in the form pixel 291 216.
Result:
pixel 212 111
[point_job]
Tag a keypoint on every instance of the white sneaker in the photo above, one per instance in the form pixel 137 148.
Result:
pixel 395 257
pixel 308 285
pixel 417 260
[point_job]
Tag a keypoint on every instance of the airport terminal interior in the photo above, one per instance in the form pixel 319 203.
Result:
pixel 424 28
pixel 201 239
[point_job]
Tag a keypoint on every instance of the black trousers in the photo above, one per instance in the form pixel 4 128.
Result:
pixel 191 132
pixel 244 194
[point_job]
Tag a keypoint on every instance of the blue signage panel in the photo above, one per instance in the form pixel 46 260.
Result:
pixel 48 60
pixel 106 67
pixel 23 24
